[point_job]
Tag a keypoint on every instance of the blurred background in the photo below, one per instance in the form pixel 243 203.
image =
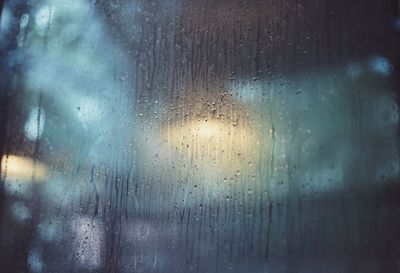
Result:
pixel 181 136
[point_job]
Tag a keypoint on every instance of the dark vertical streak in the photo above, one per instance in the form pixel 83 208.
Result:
pixel 96 207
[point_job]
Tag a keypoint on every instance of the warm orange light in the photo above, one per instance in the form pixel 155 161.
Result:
pixel 206 129
pixel 22 169
pixel 214 143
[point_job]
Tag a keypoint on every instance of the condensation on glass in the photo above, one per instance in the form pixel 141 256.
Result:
pixel 199 136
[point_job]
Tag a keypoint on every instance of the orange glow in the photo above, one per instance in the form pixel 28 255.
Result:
pixel 215 143
pixel 23 169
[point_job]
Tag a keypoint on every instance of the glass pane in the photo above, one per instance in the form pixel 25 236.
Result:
pixel 199 136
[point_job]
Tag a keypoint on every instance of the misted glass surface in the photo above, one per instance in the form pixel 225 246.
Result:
pixel 182 136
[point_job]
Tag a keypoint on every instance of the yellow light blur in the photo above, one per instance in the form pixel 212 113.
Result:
pixel 215 143
pixel 22 169
pixel 206 130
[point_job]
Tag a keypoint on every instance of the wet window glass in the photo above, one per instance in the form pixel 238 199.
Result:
pixel 183 136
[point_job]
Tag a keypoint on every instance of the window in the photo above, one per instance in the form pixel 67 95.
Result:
pixel 199 136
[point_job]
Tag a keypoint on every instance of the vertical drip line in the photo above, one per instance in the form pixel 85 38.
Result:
pixel 271 173
pixel 37 143
pixel 96 192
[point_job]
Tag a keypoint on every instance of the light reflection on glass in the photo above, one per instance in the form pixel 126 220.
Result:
pixel 23 169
